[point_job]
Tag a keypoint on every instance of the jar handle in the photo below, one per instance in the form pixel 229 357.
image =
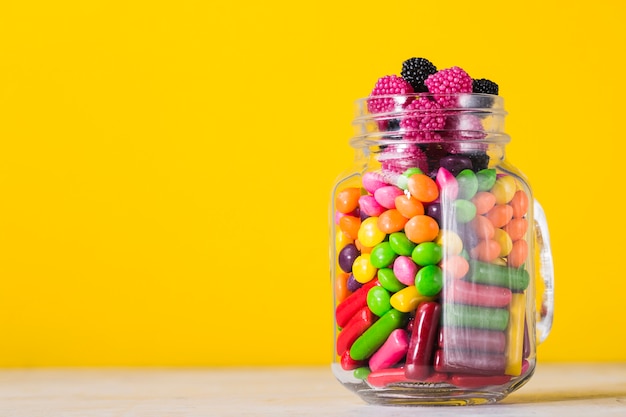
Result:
pixel 546 313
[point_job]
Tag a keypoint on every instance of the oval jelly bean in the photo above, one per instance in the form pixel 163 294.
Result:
pixel 454 267
pixel 369 234
pixel 465 210
pixel 450 241
pixel 486 250
pixel 516 228
pixel 342 239
pixel 405 269
pixel 427 253
pixel 409 206
pixel 391 221
pixel 421 228
pixel 423 188
pixel 456 163
pixel 504 240
pixel 386 196
pixel 378 300
pixel 403 180
pixel 482 227
pixel 401 244
pixel 391 351
pixel 350 225
pixel 341 286
pixel 377 334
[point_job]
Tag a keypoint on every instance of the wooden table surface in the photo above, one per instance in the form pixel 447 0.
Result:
pixel 555 389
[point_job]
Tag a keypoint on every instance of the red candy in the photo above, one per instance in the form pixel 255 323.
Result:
pixel 463 292
pixel 351 305
pixel 360 322
pixel 422 341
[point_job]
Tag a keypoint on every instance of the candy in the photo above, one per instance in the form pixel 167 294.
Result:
pixel 434 211
pixel 519 203
pixel 469 362
pixel 468 184
pixel 378 300
pixel 464 210
pixel 427 253
pixel 375 336
pixel 350 225
pixel 450 242
pixel 341 286
pixel 362 372
pixel 479 340
pixel 372 181
pixel 388 376
pixel 351 305
pixel 484 201
pixel 347 200
pixel 486 250
pixel 405 269
pixel 353 284
pixel 429 280
pixel 421 228
pixel 447 184
pixel 516 228
pixel 486 179
pixel 409 206
pixel 362 268
pixel 401 244
pixel 423 188
pixel 454 267
pixel 463 292
pixel 422 342
pixel 504 189
pixel 500 215
pixel 346 257
pixel 369 233
pixel 518 254
pixel 382 255
pixel 407 299
pixel 360 322
pixel 391 221
pixel 455 163
pixel 342 239
pixel 504 241
pixel 389 281
pixel 458 315
pixel 348 363
pixel 478 381
pixel 386 196
pixel 501 276
pixel 370 206
pixel 394 349
pixel 515 335
pixel 482 227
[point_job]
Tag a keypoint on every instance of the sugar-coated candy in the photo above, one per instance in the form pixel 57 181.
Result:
pixel 389 281
pixel 464 292
pixel 455 163
pixel 500 215
pixel 519 203
pixel 407 299
pixel 405 269
pixel 454 267
pixel 423 188
pixel 352 304
pixel 515 335
pixel 382 255
pixel 341 286
pixel 427 253
pixel 362 372
pixel 423 339
pixel 469 339
pixel 369 234
pixel 355 327
pixel 486 250
pixel 447 183
pixel 518 254
pixel 403 180
pixel 459 315
pixel 378 300
pixel 429 280
pixel 346 257
pixel 347 200
pixel 434 212
pixel 464 210
pixel 362 268
pixel 390 353
pixel 391 221
pixel 376 334
pixel 516 279
pixel 504 189
pixel 350 225
pixel 484 201
pixel 370 206
pixel 386 196
pixel 451 243
pixel 372 181
pixel 467 184
pixel 516 228
pixel 486 179
pixel 401 244
pixel 504 241
pixel 482 227
pixel 342 239
pixel 409 206
pixel 421 228
pixel 353 284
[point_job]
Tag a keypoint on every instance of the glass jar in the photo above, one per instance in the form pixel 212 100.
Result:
pixel 435 239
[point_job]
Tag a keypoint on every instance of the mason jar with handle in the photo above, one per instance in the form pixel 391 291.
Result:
pixel 437 248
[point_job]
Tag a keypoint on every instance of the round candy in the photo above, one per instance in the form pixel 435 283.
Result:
pixel 434 210
pixel 350 225
pixel 427 253
pixel 455 266
pixel 401 244
pixel 370 206
pixel 504 189
pixel 362 269
pixel 342 239
pixel 504 240
pixel 346 257
pixel 409 206
pixel 386 196
pixel 516 228
pixel 486 250
pixel 423 188
pixel 403 180
pixel 405 269
pixel 486 179
pixel 353 284
pixel 369 234
pixel 347 200
pixel 421 228
pixel 391 221
pixel 500 215
pixel 407 299
pixel 519 202
pixel 429 280
pixel 389 281
pixel 468 184
pixel 484 201
pixel 465 210
pixel 378 300
pixel 382 255
pixel 451 242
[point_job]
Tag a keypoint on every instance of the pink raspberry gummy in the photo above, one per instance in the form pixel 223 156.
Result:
pixel 423 117
pixel 448 81
pixel 387 85
pixel 397 158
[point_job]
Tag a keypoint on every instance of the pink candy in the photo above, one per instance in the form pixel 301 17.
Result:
pixel 405 270
pixel 386 196
pixel 394 349
pixel 447 183
pixel 372 182
pixel 370 206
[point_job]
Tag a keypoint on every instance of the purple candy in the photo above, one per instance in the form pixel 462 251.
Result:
pixel 346 257
pixel 353 284
pixel 455 163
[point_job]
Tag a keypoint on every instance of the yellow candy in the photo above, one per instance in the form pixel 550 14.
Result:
pixel 341 240
pixel 450 241
pixel 504 189
pixel 504 240
pixel 362 269
pixel 369 234
pixel 407 299
pixel 515 335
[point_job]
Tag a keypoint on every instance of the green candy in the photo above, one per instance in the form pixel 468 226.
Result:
pixel 486 179
pixel 382 255
pixel 378 300
pixel 429 280
pixel 403 180
pixel 427 253
pixel 460 315
pixel 374 337
pixel 389 281
pixel 362 372
pixel 516 279
pixel 465 210
pixel 401 244
pixel 468 184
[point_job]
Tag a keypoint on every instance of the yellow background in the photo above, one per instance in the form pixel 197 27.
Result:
pixel 165 167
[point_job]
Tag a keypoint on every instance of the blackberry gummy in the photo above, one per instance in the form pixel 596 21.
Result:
pixel 415 71
pixel 485 86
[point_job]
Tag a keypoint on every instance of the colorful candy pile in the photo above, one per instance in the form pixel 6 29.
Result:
pixel 431 277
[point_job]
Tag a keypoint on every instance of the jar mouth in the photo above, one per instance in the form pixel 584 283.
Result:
pixel 429 117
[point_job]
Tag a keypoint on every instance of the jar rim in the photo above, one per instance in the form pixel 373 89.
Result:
pixel 464 101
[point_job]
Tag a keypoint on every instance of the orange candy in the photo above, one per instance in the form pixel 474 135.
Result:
pixel 341 286
pixel 391 221
pixel 500 215
pixel 455 266
pixel 487 250
pixel 484 201
pixel 421 228
pixel 516 228
pixel 350 225
pixel 519 202
pixel 347 200
pixel 483 227
pixel 518 253
pixel 423 188
pixel 409 206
